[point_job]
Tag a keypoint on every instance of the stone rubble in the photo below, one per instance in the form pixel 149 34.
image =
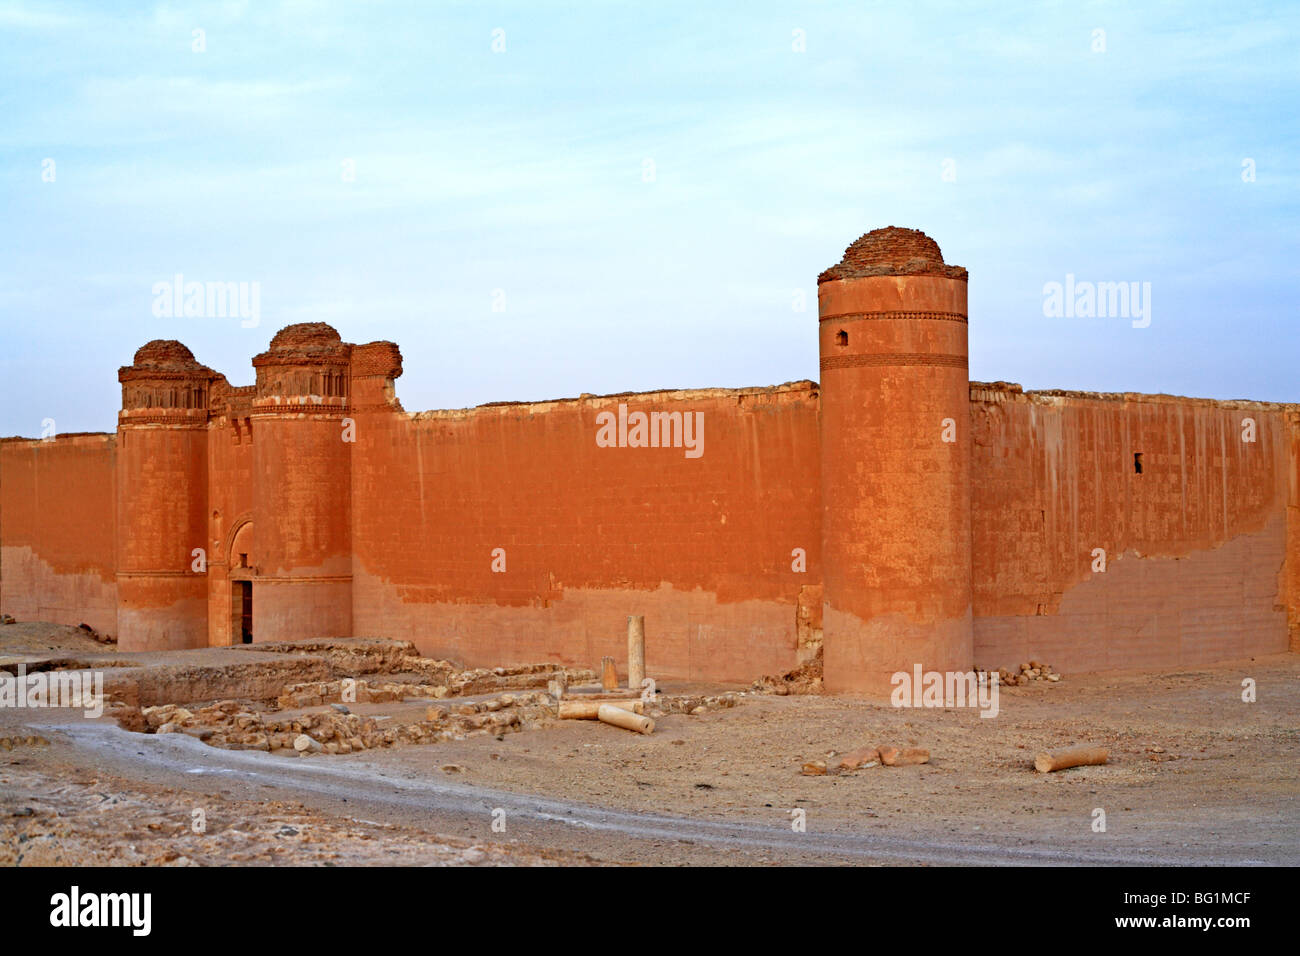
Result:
pixel 318 716
pixel 335 729
pixel 1024 674
pixel 229 724
pixel 804 679
pixel 863 758
pixel 95 635
pixel 694 705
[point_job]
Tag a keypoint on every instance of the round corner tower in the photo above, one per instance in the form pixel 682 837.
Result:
pixel 895 440
pixel 162 493
pixel 302 496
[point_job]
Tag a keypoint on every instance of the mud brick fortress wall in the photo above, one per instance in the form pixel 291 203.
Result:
pixel 894 514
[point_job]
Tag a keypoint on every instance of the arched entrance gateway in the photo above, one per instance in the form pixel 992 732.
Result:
pixel 240 573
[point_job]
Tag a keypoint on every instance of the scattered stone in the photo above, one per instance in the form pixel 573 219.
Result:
pixel 1082 756
pixel 1024 674
pixel 859 759
pixel 318 716
pixel 894 757
pixel 95 635
pixel 804 679
pixel 814 768
pixel 687 704
pixel 305 744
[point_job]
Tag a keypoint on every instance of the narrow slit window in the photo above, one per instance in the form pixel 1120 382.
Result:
pixel 842 339
pixel 1137 462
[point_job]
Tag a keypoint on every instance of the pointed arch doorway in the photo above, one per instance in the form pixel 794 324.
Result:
pixel 242 571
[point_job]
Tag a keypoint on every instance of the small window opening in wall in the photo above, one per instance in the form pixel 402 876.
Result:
pixel 243 559
pixel 1137 462
pixel 842 338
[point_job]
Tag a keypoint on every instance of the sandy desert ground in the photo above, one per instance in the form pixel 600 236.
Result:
pixel 1196 776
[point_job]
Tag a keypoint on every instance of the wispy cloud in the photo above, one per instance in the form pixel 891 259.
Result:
pixel 25 16
pixel 641 180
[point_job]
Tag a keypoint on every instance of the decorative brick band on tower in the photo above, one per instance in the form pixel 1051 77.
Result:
pixel 302 501
pixel 162 492
pixel 896 538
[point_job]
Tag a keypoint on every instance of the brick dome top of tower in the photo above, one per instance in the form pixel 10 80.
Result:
pixel 165 354
pixel 307 336
pixel 304 341
pixel 892 251
pixel 164 358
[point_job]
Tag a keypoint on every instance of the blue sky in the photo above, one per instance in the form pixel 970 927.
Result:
pixel 522 171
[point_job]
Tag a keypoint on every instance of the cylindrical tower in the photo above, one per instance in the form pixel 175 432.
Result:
pixel 162 491
pixel 302 503
pixel 895 440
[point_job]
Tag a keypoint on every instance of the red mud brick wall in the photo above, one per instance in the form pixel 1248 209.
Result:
pixel 57 526
pixel 700 546
pixel 1195 544
pixel 302 527
pixel 1293 529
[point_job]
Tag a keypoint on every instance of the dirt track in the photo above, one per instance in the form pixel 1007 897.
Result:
pixel 1196 777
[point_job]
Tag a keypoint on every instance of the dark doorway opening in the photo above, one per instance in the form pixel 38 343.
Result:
pixel 244 603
